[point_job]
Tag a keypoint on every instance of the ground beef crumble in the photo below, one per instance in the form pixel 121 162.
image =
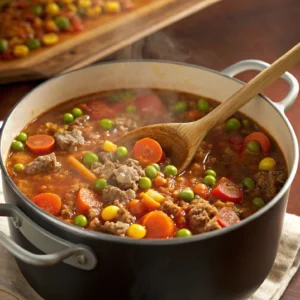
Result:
pixel 41 164
pixel 69 140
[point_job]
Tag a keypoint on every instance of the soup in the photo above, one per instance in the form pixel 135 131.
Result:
pixel 68 162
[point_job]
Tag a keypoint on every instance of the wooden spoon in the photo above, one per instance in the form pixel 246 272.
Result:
pixel 181 140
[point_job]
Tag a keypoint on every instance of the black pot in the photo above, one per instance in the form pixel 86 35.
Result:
pixel 227 264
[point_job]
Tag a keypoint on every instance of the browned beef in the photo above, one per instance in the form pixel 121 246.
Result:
pixel 126 177
pixel 212 225
pixel 126 124
pixel 104 170
pixel 93 212
pixel 107 156
pixel 69 140
pixel 95 225
pixel 136 165
pixel 67 212
pixel 118 228
pixel 112 193
pixel 41 164
pixel 200 214
pixel 269 182
pixel 78 122
pixel 170 208
pixel 125 216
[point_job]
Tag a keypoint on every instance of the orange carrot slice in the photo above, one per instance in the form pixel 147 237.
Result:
pixel 136 207
pixel 79 167
pixel 261 138
pixel 158 225
pixel 49 202
pixel 86 199
pixel 147 151
pixel 40 144
pixel 149 203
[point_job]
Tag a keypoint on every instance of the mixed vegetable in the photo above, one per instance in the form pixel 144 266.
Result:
pixel 27 25
pixel 68 163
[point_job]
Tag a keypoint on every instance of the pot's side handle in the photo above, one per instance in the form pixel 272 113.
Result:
pixel 58 249
pixel 258 65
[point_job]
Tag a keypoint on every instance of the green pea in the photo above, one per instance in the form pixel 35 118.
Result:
pixel 145 183
pixel 62 23
pixel 210 172
pixel 100 184
pixel 187 194
pixel 170 170
pixel 180 106
pixel 253 146
pixel 17 146
pixel 131 109
pixel 209 180
pixel 3 45
pixel 89 158
pixel 248 183
pixel 246 123
pixel 233 124
pixel 19 168
pixel 77 112
pixel 22 137
pixel 80 221
pixel 121 152
pixel 33 44
pixel 37 10
pixel 197 197
pixel 107 124
pixel 114 97
pixel 258 202
pixel 183 232
pixel 156 166
pixel 68 118
pixel 203 105
pixel 151 172
pixel 128 95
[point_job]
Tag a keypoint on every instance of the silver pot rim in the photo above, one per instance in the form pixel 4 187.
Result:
pixel 60 224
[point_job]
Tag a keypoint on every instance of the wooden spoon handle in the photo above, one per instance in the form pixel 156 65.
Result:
pixel 251 89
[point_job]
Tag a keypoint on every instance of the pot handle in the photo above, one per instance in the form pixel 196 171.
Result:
pixel 58 249
pixel 258 65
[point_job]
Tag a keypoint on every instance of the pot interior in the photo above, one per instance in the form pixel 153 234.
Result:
pixel 145 74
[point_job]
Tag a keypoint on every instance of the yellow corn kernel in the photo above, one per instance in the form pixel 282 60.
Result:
pixel 155 195
pixel 94 11
pixel 21 50
pixel 85 3
pixel 52 9
pixel 109 146
pixel 136 231
pixel 110 212
pixel 71 7
pixel 67 1
pixel 51 26
pixel 50 39
pixel 267 163
pixel 112 7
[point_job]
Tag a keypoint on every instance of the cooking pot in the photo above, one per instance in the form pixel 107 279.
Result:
pixel 62 261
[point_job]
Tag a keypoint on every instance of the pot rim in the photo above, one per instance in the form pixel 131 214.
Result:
pixel 60 224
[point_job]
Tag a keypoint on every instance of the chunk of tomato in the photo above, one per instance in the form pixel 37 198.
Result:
pixel 227 191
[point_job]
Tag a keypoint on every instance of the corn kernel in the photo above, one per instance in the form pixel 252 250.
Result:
pixel 267 163
pixel 85 3
pixel 52 9
pixel 112 7
pixel 109 146
pixel 71 7
pixel 67 1
pixel 21 50
pixel 109 213
pixel 50 26
pixel 94 11
pixel 155 195
pixel 136 231
pixel 50 39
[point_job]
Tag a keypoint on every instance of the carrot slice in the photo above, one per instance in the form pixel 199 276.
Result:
pixel 86 199
pixel 136 207
pixel 158 225
pixel 160 181
pixel 40 144
pixel 81 169
pixel 149 203
pixel 147 151
pixel 49 202
pixel 261 138
pixel 202 190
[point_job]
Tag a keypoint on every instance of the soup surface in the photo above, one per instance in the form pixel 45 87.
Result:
pixel 67 162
